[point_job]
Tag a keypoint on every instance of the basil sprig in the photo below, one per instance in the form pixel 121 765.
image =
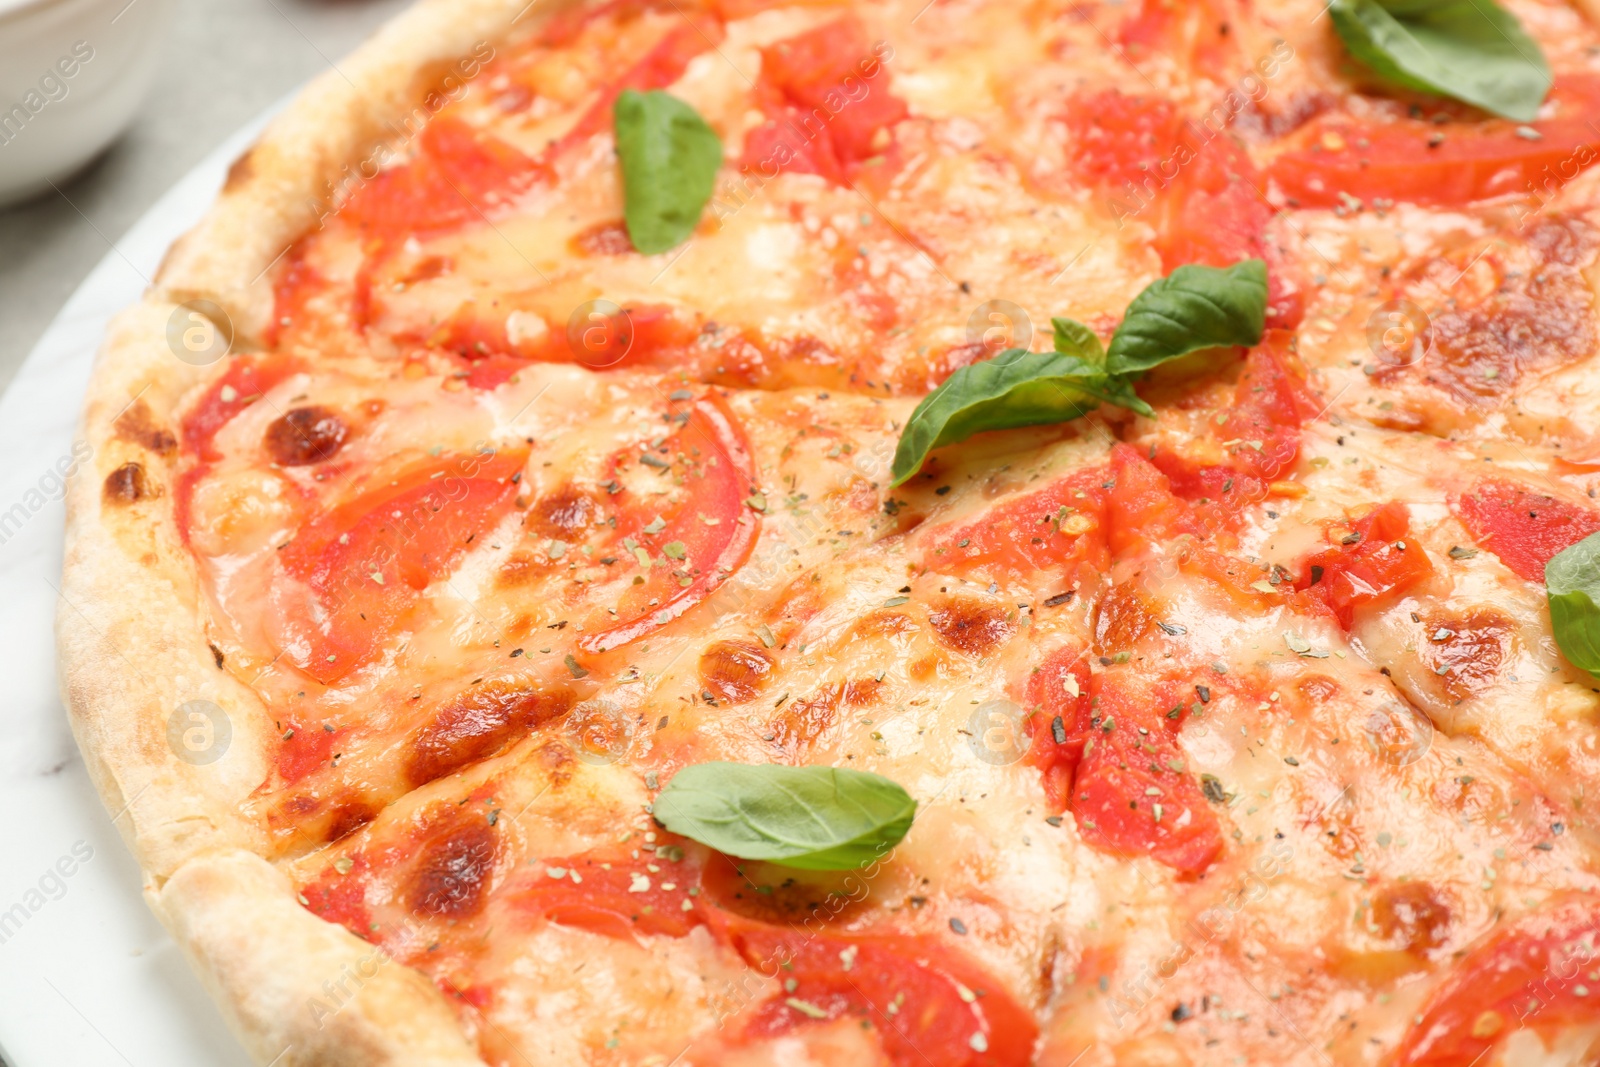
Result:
pixel 670 158
pixel 1472 50
pixel 1191 309
pixel 812 818
pixel 1572 581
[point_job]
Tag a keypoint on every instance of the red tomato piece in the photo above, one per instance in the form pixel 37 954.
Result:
pixel 246 379
pixel 458 175
pixel 1061 525
pixel 718 476
pixel 928 1005
pixel 1260 431
pixel 1115 139
pixel 788 142
pixel 1200 191
pixel 926 1001
pixel 826 95
pixel 1535 972
pixel 1456 163
pixel 660 67
pixel 1214 213
pixel 833 70
pixel 1142 509
pixel 1117 813
pixel 611 895
pixel 1379 564
pixel 1131 795
pixel 366 561
pixel 1523 527
pixel 651 335
pixel 1195 33
pixel 1059 720
pixel 1270 405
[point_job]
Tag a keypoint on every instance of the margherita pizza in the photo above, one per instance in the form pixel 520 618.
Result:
pixel 930 534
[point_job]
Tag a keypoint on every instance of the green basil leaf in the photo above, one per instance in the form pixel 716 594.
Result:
pixel 1015 388
pixel 1472 50
pixel 1073 338
pixel 670 158
pixel 1572 580
pixel 813 818
pixel 1192 308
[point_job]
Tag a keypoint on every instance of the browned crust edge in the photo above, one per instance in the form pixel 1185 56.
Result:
pixel 130 621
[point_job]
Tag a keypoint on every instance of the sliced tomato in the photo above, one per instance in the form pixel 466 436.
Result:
pixel 1200 191
pixel 457 176
pixel 1270 406
pixel 827 99
pixel 714 531
pixel 1522 526
pixel 1059 526
pixel 788 143
pixel 1260 431
pixel 928 1004
pixel 1196 33
pixel 1537 972
pixel 659 68
pixel 241 385
pixel 1059 720
pixel 365 561
pixel 1142 509
pixel 1455 163
pixel 1131 794
pixel 834 71
pixel 612 895
pixel 1115 138
pixel 1214 213
pixel 1373 564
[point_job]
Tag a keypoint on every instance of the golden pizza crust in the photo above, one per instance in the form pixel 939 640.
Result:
pixel 300 991
pixel 134 657
pixel 287 182
pixel 130 624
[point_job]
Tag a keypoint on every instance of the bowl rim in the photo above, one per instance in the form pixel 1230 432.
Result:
pixel 14 8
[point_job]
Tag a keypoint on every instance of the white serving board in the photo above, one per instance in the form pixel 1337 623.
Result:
pixel 87 974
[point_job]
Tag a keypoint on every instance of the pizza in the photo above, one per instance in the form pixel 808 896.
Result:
pixel 932 534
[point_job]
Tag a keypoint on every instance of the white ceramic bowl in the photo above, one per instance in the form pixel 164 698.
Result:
pixel 72 74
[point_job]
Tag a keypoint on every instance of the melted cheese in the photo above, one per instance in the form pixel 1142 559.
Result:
pixel 1386 794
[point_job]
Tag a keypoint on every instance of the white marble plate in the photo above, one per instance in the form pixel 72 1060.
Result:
pixel 87 974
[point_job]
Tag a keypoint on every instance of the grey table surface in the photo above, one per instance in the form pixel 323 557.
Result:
pixel 222 64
